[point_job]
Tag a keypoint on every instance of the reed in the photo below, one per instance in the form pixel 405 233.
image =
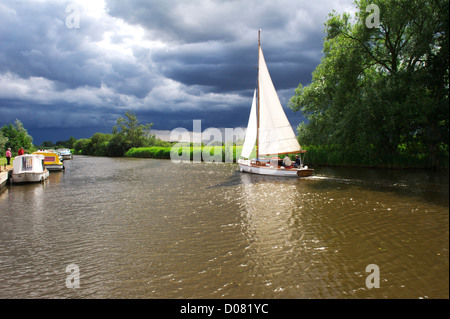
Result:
pixel 315 156
pixel 195 152
pixel 149 152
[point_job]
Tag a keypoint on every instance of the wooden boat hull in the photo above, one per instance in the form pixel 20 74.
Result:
pixel 30 177
pixel 275 171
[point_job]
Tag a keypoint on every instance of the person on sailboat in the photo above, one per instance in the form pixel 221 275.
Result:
pixel 298 162
pixel 287 161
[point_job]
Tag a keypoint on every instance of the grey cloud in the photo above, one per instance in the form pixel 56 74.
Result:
pixel 199 60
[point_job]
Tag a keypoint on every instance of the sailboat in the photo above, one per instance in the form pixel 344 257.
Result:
pixel 269 129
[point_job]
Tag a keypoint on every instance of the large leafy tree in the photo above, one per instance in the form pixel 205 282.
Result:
pixel 17 136
pixel 379 88
pixel 134 133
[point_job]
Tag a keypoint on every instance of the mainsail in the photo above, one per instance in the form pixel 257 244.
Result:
pixel 275 132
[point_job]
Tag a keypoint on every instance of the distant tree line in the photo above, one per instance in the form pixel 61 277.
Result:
pixel 59 144
pixel 128 133
pixel 380 94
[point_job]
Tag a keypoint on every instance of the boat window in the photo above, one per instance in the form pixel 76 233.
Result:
pixel 27 163
pixel 49 159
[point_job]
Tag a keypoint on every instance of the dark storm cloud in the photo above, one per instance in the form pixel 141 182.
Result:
pixel 37 43
pixel 169 61
pixel 221 67
pixel 214 43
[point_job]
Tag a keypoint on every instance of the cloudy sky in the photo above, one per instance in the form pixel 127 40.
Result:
pixel 71 68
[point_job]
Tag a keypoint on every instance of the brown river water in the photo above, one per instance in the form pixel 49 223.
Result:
pixel 145 228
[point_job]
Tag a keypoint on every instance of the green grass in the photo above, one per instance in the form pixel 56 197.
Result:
pixel 3 161
pixel 208 153
pixel 149 152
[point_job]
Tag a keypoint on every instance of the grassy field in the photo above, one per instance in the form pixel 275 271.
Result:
pixel 3 160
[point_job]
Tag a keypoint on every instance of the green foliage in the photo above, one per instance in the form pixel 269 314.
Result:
pixel 128 134
pixel 81 146
pixel 117 145
pixel 65 144
pixel 194 152
pixel 378 88
pixel 136 134
pixel 15 136
pixel 3 140
pixel 149 152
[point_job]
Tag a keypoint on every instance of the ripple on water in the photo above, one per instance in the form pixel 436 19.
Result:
pixel 153 229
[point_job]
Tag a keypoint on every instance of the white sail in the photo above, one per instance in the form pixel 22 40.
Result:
pixel 275 132
pixel 269 126
pixel 250 135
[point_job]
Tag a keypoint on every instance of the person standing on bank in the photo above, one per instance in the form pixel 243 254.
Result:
pixel 8 156
pixel 20 152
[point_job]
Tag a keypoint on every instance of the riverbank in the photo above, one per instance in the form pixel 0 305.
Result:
pixel 214 153
pixel 5 173
pixel 313 157
pixel 323 156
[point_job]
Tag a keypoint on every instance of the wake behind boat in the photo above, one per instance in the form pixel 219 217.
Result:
pixel 269 129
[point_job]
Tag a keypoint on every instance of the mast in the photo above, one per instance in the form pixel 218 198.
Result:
pixel 257 117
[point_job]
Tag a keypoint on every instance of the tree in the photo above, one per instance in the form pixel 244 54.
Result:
pixel 378 88
pixel 136 134
pixel 47 144
pixel 117 145
pixel 3 141
pixel 81 146
pixel 17 136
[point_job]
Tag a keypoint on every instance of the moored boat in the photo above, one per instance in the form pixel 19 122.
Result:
pixel 270 131
pixel 65 153
pixel 29 168
pixel 52 161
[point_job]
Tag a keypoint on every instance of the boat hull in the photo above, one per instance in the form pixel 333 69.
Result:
pixel 274 171
pixel 30 177
pixel 54 167
pixel 3 178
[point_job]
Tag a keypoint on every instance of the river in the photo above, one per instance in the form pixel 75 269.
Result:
pixel 145 228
